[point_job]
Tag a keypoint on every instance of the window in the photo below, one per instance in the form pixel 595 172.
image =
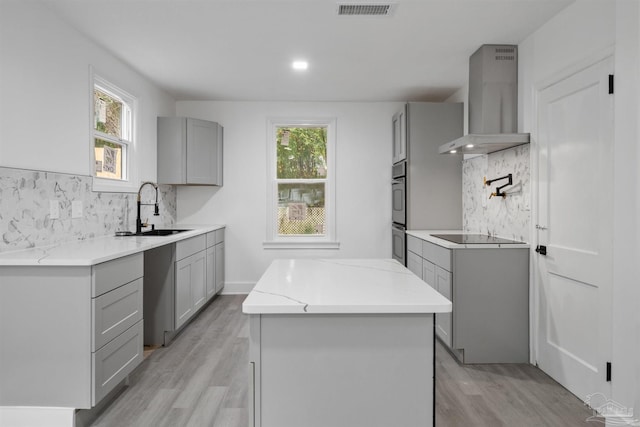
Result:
pixel 113 142
pixel 301 207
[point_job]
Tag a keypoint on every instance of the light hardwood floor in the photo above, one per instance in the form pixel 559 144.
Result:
pixel 201 380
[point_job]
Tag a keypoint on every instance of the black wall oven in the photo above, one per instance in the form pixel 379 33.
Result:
pixel 399 211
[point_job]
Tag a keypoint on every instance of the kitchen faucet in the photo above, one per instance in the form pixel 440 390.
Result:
pixel 156 211
pixel 499 192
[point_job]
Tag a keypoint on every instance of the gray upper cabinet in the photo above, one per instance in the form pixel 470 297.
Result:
pixel 400 135
pixel 189 151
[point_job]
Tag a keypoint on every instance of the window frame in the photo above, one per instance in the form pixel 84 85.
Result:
pixel 275 240
pixel 129 183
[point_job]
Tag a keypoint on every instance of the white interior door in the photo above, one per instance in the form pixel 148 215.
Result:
pixel 575 213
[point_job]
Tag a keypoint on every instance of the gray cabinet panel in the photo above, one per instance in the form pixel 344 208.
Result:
pixel 414 263
pixel 116 311
pixel 219 235
pixel 443 320
pixel 211 239
pixel 414 245
pixel 491 299
pixel 159 294
pixel 434 181
pixel 172 150
pixel 429 273
pixel 199 280
pixel 189 151
pixel 45 325
pixel 211 272
pixel 188 247
pixel 190 286
pixel 111 274
pixel 113 362
pixel 202 152
pixel 399 121
pixel 437 255
pixel 219 267
pixel 184 305
pixel 342 370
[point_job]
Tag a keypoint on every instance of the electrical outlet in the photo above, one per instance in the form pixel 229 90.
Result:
pixel 54 209
pixel 76 209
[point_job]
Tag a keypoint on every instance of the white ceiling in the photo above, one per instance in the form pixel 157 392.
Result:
pixel 243 49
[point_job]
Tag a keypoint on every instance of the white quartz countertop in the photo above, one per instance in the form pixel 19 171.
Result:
pixel 342 286
pixel 97 250
pixel 427 235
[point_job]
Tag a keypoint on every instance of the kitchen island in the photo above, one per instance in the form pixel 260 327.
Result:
pixel 337 342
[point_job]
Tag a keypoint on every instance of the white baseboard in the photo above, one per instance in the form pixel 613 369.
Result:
pixel 24 416
pixel 235 288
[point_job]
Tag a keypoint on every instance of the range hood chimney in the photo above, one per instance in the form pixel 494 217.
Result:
pixel 493 103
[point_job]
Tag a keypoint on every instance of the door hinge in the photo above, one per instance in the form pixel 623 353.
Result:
pixel 608 371
pixel 610 83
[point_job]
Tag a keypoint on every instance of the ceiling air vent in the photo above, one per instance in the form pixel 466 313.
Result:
pixel 362 9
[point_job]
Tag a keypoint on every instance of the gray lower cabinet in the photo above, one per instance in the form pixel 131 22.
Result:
pixel 215 262
pixel 443 280
pixel 180 279
pixel 219 274
pixel 489 290
pixel 96 314
pixel 117 339
pixel 190 278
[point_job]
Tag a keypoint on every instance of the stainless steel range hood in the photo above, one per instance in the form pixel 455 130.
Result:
pixel 493 103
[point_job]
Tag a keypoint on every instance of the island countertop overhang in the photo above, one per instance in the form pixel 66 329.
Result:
pixel 342 286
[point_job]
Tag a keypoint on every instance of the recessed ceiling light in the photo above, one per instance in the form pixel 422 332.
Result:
pixel 469 145
pixel 300 65
pixel 453 151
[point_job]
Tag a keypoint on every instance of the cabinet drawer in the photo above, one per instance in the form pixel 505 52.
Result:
pixel 414 245
pixel 112 274
pixel 211 239
pixel 215 237
pixel 113 362
pixel 437 254
pixel 115 312
pixel 414 264
pixel 188 247
pixel 429 273
pixel 219 235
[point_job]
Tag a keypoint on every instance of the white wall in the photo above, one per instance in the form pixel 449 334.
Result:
pixel 363 182
pixel 45 93
pixel 579 34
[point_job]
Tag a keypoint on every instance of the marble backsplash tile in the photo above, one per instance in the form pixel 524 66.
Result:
pixel 25 197
pixel 509 217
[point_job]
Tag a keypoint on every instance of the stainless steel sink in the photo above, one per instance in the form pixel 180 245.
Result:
pixel 161 232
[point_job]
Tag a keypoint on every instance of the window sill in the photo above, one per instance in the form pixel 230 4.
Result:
pixel 112 186
pixel 301 245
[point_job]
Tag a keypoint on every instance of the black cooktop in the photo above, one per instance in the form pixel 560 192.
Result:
pixel 473 239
